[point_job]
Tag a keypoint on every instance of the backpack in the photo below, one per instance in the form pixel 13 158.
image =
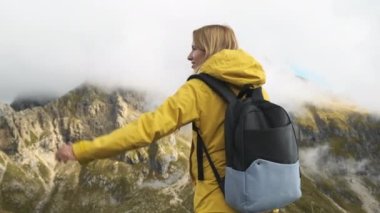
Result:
pixel 262 171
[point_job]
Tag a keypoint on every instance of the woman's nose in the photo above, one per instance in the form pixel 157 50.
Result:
pixel 190 56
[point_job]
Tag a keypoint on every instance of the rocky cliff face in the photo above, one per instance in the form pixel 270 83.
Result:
pixel 338 154
pixel 138 181
pixel 339 157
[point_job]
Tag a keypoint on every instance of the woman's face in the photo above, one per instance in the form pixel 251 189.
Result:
pixel 196 57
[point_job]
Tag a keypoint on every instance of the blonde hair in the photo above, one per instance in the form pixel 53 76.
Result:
pixel 214 38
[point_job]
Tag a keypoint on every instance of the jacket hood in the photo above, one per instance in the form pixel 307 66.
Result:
pixel 235 67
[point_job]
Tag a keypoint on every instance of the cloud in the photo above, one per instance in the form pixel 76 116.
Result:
pixel 53 46
pixel 318 160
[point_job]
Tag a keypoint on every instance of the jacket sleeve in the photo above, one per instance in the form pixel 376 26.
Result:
pixel 177 110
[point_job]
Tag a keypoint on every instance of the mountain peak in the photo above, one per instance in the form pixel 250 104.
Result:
pixel 86 92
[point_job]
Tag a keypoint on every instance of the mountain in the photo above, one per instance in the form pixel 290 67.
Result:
pixel 338 155
pixel 32 181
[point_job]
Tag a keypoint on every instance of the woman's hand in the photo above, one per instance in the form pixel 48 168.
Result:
pixel 65 153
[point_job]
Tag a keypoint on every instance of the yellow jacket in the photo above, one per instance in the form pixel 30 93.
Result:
pixel 193 102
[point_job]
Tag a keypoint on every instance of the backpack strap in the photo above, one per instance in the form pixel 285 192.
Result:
pixel 228 96
pixel 249 91
pixel 257 94
pixel 217 86
pixel 201 147
pixel 199 154
pixel 221 88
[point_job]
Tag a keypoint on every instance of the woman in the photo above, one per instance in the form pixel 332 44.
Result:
pixel 215 52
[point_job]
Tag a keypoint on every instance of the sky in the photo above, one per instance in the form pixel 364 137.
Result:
pixel 308 49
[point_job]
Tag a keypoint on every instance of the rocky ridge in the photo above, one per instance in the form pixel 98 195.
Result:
pixel 32 181
pixel 339 148
pixel 338 155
